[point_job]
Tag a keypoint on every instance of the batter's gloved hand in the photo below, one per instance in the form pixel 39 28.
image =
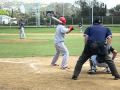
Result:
pixel 70 28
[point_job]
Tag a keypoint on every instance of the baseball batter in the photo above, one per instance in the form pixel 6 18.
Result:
pixel 61 48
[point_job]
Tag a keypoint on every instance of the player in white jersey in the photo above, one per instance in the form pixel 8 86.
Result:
pixel 61 48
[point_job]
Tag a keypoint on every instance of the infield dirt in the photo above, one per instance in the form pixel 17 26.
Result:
pixel 36 73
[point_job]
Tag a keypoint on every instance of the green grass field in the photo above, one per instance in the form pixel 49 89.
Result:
pixel 39 42
pixel 14 30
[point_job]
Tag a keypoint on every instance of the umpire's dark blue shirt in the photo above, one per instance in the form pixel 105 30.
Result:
pixel 97 32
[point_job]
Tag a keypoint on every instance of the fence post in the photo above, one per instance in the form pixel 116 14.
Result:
pixel 72 21
pixel 82 20
pixel 112 19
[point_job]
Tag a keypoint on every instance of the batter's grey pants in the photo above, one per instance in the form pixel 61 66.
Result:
pixel 61 48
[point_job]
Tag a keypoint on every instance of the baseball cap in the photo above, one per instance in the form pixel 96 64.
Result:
pixel 97 20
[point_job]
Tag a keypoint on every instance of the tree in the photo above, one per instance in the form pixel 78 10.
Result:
pixel 99 8
pixel 83 8
pixel 115 11
pixel 60 9
pixel 4 12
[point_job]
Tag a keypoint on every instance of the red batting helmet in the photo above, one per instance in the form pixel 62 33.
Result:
pixel 63 20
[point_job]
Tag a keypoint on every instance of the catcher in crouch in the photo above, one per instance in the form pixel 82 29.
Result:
pixel 94 62
pixel 61 48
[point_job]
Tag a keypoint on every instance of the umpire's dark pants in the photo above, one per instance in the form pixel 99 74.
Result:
pixel 92 49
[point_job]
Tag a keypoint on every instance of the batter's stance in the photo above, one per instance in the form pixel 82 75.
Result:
pixel 61 30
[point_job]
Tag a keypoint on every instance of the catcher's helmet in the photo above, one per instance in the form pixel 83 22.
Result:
pixel 62 19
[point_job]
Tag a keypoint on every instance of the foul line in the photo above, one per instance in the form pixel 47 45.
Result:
pixel 12 62
pixel 33 66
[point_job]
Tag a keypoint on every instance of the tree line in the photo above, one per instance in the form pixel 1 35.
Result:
pixel 79 9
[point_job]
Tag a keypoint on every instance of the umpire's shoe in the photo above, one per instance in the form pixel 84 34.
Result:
pixel 117 78
pixel 74 77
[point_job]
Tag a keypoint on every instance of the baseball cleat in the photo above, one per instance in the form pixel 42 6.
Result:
pixel 92 71
pixel 63 68
pixel 54 64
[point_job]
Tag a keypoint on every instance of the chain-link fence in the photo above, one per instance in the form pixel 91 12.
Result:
pixel 108 20
pixel 75 21
pixel 88 20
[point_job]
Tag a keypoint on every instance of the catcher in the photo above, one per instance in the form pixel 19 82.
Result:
pixel 94 62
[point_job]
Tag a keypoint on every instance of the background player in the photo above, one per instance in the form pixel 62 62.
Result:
pixel 21 28
pixel 81 26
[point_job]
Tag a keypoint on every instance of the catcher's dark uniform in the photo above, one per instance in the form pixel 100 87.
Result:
pixel 101 63
pixel 95 45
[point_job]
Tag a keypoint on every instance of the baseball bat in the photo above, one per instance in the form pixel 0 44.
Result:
pixel 56 19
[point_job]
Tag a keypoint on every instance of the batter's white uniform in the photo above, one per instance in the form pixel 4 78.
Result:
pixel 61 30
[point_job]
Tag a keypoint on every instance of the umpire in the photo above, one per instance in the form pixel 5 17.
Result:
pixel 95 37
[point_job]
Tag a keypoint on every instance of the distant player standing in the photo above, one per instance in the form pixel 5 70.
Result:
pixel 80 26
pixel 21 27
pixel 61 30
